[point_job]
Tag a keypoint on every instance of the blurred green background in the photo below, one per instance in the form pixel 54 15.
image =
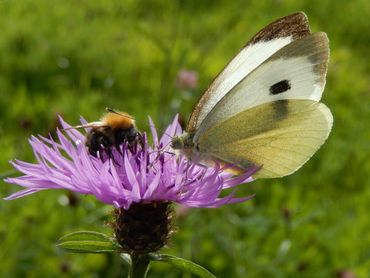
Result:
pixel 77 57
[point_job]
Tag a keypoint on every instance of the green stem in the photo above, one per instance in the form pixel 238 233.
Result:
pixel 139 266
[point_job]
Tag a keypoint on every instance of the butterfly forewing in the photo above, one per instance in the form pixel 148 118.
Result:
pixel 279 136
pixel 296 71
pixel 264 44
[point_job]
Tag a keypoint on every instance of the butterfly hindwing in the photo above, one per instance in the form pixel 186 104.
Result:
pixel 279 136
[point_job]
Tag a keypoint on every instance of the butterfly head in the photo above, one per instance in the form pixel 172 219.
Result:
pixel 184 141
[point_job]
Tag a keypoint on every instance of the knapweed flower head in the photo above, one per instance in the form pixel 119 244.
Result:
pixel 139 179
pixel 142 173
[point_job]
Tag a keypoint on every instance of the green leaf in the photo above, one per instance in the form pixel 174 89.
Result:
pixel 182 264
pixel 126 258
pixel 87 242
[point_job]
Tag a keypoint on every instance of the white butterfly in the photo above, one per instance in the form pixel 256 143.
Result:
pixel 263 109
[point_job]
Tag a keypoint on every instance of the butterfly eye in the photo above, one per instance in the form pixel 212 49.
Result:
pixel 177 143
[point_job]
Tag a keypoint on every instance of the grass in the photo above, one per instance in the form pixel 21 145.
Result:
pixel 75 58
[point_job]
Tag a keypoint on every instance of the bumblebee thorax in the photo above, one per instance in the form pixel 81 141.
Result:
pixel 116 121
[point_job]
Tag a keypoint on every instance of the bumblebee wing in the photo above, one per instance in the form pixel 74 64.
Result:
pixel 279 136
pixel 88 125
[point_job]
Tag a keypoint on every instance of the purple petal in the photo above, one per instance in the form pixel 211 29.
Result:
pixel 141 173
pixel 22 193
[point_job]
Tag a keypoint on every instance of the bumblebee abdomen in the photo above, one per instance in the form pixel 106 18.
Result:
pixel 121 135
pixel 104 138
pixel 98 139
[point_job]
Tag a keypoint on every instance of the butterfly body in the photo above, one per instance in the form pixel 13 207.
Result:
pixel 263 109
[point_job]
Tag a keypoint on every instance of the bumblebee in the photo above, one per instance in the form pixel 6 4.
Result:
pixel 113 129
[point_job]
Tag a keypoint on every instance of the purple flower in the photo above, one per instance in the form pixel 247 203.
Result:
pixel 142 174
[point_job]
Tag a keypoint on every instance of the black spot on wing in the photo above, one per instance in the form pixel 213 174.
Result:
pixel 280 109
pixel 280 87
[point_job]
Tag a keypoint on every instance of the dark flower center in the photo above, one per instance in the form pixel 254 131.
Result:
pixel 143 228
